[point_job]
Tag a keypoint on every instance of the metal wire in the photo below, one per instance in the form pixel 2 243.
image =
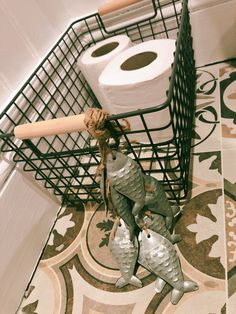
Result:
pixel 66 164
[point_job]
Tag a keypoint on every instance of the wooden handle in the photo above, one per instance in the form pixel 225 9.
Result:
pixel 50 127
pixel 114 5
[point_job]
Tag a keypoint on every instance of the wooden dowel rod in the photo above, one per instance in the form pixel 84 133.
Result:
pixel 114 5
pixel 50 127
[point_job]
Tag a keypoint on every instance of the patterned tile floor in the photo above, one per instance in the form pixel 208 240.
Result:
pixel 76 273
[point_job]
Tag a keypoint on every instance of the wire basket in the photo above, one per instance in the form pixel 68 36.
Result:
pixel 67 163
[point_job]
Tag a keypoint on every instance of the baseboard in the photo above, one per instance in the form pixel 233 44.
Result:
pixel 27 214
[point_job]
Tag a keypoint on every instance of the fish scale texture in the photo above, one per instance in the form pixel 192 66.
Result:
pixel 157 223
pixel 128 181
pixel 161 259
pixel 125 253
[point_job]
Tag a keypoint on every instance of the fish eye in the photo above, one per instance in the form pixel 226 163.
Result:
pixel 149 236
pixel 120 225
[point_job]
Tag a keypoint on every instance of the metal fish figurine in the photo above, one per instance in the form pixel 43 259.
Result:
pixel 156 223
pixel 126 253
pixel 123 207
pixel 156 200
pixel 128 183
pixel 126 177
pixel 160 283
pixel 160 257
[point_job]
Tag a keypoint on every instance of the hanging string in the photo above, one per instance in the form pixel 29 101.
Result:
pixel 95 121
pixel 114 229
pixel 96 124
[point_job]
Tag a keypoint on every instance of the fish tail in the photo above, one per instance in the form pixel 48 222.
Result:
pixel 190 286
pixel 175 238
pixel 159 284
pixel 121 282
pixel 176 295
pixel 135 282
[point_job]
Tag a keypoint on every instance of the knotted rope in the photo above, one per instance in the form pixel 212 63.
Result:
pixel 95 121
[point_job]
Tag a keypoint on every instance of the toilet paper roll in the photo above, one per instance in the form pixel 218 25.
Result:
pixel 95 58
pixel 138 78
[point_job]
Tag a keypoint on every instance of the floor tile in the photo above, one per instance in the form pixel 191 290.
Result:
pixel 76 273
pixel 207 133
pixel 227 79
pixel 228 104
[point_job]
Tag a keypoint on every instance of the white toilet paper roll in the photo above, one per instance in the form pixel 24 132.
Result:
pixel 138 78
pixel 95 58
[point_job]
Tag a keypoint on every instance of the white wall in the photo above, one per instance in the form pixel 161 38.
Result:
pixel 28 29
pixel 213 29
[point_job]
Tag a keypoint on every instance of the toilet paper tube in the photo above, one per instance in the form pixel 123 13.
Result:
pixel 138 78
pixel 94 59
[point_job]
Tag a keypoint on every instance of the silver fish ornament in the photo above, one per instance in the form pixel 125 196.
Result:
pixel 156 200
pixel 159 283
pixel 126 177
pixel 126 253
pixel 156 223
pixel 159 256
pixel 123 207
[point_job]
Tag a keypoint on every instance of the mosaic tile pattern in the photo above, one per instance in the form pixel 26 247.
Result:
pixel 76 273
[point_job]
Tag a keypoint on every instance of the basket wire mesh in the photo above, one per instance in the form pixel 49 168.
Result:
pixel 67 163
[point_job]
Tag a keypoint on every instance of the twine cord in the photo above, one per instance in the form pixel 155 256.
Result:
pixel 95 121
pixel 116 225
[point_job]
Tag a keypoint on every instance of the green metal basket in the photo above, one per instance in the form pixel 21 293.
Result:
pixel 67 163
